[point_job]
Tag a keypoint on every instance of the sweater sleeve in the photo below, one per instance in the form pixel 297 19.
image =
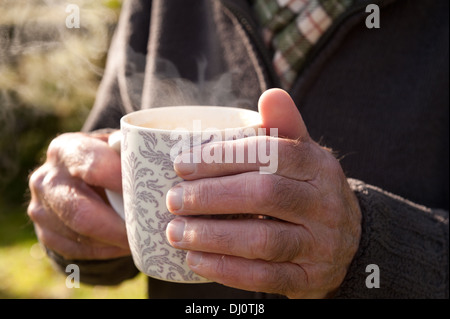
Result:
pixel 408 243
pixel 98 272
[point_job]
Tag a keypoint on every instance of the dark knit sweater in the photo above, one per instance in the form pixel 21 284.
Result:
pixel 377 97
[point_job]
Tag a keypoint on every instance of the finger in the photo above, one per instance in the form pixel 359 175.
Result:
pixel 248 193
pixel 48 220
pixel 82 248
pixel 278 278
pixel 295 159
pixel 81 209
pixel 251 239
pixel 58 237
pixel 222 158
pixel 88 158
pixel 278 110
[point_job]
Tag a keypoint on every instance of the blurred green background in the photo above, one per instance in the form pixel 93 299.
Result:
pixel 49 75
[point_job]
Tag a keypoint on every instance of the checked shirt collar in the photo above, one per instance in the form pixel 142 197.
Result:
pixel 292 27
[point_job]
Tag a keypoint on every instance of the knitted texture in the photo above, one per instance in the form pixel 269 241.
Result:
pixel 398 247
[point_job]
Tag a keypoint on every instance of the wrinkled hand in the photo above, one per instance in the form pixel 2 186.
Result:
pixel 304 249
pixel 69 212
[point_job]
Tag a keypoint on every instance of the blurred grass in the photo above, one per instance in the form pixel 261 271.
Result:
pixel 26 272
pixel 49 76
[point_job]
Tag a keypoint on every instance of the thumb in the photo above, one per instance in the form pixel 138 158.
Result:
pixel 278 110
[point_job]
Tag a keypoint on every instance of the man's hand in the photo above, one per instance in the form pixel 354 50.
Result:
pixel 67 206
pixel 304 248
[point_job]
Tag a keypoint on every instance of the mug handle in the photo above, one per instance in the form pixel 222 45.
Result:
pixel 115 199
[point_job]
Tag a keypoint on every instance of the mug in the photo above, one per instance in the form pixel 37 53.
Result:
pixel 149 141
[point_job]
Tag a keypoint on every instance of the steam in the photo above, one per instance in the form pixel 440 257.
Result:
pixel 161 84
pixel 48 68
pixel 170 88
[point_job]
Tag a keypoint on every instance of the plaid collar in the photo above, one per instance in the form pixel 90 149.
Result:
pixel 292 27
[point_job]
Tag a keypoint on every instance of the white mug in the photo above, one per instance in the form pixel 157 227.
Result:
pixel 149 141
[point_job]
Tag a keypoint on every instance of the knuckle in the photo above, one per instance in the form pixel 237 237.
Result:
pixel 275 244
pixel 36 179
pixel 35 211
pixel 201 193
pixel 264 191
pixel 281 195
pixel 275 193
pixel 209 234
pixel 76 152
pixel 221 238
pixel 56 145
pixel 53 149
pixel 268 276
pixel 50 183
pixel 63 198
pixel 263 245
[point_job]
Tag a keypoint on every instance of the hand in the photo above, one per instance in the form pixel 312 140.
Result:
pixel 67 206
pixel 304 249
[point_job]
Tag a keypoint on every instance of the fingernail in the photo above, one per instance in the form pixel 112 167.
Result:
pixel 174 198
pixel 193 258
pixel 183 164
pixel 175 230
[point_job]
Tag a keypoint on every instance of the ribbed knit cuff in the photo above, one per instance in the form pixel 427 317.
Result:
pixel 408 243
